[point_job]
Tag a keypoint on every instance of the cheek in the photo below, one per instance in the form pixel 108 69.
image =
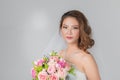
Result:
pixel 77 34
pixel 63 33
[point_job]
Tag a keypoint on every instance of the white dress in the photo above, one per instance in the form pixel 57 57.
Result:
pixel 78 75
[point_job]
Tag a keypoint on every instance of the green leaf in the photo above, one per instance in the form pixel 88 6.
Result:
pixel 53 53
pixel 46 59
pixel 61 79
pixel 71 71
pixel 46 66
pixel 38 68
pixel 37 78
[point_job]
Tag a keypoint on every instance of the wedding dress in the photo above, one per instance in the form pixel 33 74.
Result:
pixel 78 75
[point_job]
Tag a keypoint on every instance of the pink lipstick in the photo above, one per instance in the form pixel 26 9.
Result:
pixel 68 37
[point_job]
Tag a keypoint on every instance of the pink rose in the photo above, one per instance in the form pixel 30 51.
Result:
pixel 51 62
pixel 51 69
pixel 55 58
pixel 33 72
pixel 53 77
pixel 62 63
pixel 43 75
pixel 40 62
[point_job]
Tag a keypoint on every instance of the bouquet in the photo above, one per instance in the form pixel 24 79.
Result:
pixel 51 68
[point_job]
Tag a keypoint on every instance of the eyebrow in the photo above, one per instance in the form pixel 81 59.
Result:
pixel 72 25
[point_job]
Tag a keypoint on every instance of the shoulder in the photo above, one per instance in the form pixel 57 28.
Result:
pixel 90 65
pixel 84 56
pixel 81 57
pixel 85 59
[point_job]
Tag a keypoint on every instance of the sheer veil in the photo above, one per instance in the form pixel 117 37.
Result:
pixel 56 43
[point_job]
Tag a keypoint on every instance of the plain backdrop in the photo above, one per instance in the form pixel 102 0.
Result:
pixel 26 27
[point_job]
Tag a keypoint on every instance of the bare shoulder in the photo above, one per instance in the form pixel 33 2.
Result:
pixel 84 56
pixel 87 60
pixel 90 65
pixel 87 57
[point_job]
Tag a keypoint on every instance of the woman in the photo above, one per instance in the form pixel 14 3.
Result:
pixel 77 34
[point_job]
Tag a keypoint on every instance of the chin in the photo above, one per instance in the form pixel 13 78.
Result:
pixel 70 42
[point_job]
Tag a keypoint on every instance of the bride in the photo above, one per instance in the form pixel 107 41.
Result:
pixel 76 33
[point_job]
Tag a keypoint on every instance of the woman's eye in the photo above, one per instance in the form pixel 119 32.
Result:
pixel 75 27
pixel 65 27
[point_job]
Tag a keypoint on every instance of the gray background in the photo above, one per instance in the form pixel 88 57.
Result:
pixel 26 26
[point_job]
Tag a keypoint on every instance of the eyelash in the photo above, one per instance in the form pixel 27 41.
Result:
pixel 73 27
pixel 65 27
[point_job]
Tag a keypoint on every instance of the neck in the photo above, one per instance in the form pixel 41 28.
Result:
pixel 72 47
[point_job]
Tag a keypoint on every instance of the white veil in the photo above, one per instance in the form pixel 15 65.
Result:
pixel 56 43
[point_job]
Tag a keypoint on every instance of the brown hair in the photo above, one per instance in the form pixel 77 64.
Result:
pixel 85 41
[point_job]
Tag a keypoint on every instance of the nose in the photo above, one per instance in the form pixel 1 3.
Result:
pixel 69 31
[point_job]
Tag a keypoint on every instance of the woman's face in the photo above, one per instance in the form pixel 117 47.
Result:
pixel 70 30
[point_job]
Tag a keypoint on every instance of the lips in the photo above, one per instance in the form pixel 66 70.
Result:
pixel 69 37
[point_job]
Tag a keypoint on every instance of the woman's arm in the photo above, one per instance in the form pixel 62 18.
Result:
pixel 90 67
